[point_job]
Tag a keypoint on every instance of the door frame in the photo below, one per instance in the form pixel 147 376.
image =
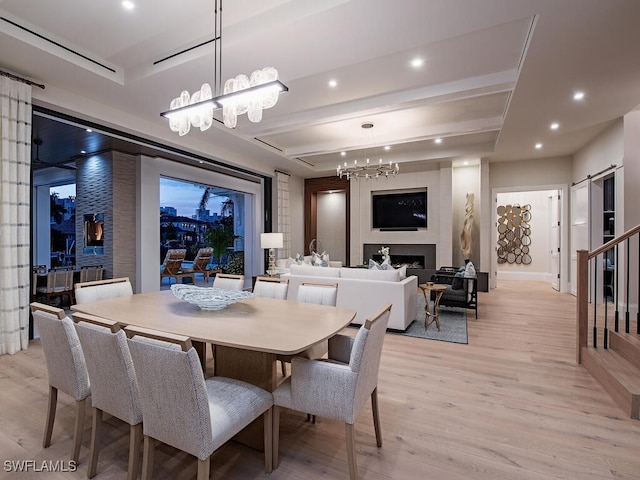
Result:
pixel 564 229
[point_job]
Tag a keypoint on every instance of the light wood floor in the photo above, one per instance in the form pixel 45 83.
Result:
pixel 512 404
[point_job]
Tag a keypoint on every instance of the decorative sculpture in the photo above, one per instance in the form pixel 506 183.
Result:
pixel 466 238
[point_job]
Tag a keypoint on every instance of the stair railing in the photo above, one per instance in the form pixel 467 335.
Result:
pixel 609 292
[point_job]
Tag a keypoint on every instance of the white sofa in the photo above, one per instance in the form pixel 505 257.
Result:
pixel 366 291
pixel 283 264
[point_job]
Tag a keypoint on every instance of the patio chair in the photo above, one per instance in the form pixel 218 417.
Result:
pixel 201 264
pixel 91 273
pixel 59 284
pixel 172 265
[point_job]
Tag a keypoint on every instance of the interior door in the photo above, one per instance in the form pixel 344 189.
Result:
pixel 580 231
pixel 555 240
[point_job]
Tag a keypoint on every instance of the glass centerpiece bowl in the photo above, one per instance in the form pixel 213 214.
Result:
pixel 208 298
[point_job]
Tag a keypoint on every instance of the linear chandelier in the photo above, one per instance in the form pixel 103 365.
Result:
pixel 240 95
pixel 367 170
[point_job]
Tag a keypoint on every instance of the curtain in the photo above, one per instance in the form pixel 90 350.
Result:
pixel 284 218
pixel 15 209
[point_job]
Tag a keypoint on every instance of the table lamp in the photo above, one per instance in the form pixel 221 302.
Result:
pixel 271 241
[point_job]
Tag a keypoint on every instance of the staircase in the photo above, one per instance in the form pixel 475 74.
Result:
pixel 617 369
pixel 608 340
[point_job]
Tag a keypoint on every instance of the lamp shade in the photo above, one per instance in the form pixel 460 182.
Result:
pixel 271 240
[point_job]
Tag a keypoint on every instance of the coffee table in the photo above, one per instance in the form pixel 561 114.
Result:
pixel 439 290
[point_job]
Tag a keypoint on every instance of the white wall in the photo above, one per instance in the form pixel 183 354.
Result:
pixel 466 179
pixel 148 215
pixel 438 209
pixel 606 149
pixel 332 224
pixel 540 247
pixel 296 210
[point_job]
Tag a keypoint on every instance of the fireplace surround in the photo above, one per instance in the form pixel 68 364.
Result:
pixel 420 258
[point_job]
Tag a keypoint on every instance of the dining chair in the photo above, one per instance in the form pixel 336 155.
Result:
pixel 172 264
pixel 91 273
pixel 271 287
pixel 227 281
pixel 66 368
pixel 182 409
pixel 201 264
pixel 337 388
pixel 114 389
pixel 59 284
pixel 320 294
pixel 101 289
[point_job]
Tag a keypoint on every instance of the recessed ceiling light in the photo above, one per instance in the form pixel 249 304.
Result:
pixel 83 152
pixel 578 96
pixel 333 83
pixel 417 62
pixel 128 4
pixel 554 126
pixel 438 140
pixel 387 147
pixel 538 146
pixel 89 130
pixel 342 154
pixel 200 161
pixel 465 163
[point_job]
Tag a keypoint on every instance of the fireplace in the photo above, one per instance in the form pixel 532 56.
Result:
pixel 420 258
pixel 409 261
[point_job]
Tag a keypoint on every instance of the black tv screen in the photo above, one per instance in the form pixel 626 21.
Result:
pixel 400 210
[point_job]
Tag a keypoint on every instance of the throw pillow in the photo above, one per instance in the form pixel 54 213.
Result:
pixel 320 259
pixel 385 265
pixel 458 283
pixel 299 258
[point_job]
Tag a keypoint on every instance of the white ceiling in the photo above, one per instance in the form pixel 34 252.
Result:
pixel 496 73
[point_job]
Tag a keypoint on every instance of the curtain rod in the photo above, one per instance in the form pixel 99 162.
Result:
pixel 20 79
pixel 589 177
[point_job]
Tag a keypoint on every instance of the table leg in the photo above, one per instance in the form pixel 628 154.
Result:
pixel 436 311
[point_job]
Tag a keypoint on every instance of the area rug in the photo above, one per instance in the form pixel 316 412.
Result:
pixel 453 325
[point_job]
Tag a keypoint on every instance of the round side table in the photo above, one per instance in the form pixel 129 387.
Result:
pixel 439 290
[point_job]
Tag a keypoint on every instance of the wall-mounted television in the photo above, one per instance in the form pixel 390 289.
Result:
pixel 399 211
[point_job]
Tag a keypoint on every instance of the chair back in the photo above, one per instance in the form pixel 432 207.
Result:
pixel 113 382
pixel 227 281
pixel 319 293
pixel 59 280
pixel 91 273
pixel 63 354
pixel 173 261
pixel 366 353
pixel 271 287
pixel 101 289
pixel 173 395
pixel 203 257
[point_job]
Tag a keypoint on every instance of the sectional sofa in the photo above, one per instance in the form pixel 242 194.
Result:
pixel 364 290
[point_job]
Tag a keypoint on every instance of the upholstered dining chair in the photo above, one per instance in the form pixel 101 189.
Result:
pixel 91 273
pixel 113 384
pixel 214 410
pixel 271 287
pixel 59 284
pixel 227 281
pixel 320 294
pixel 66 368
pixel 201 264
pixel 101 289
pixel 172 264
pixel 338 388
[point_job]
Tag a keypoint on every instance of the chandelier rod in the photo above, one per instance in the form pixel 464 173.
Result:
pixel 217 54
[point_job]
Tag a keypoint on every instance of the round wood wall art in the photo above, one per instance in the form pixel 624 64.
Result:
pixel 514 234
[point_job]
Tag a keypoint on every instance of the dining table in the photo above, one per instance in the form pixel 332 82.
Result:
pixel 247 335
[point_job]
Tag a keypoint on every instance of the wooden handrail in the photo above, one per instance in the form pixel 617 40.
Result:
pixel 614 242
